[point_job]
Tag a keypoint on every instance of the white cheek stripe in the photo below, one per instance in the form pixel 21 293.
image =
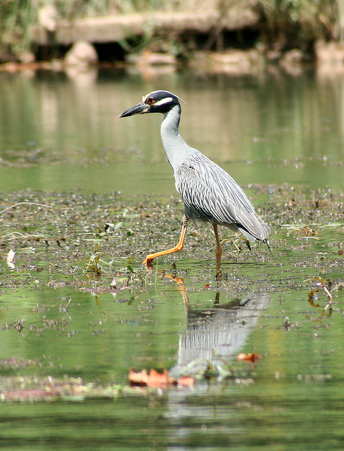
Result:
pixel 163 101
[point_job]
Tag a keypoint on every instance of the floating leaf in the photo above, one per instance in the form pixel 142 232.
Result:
pixel 157 380
pixel 186 381
pixel 140 379
pixel 250 357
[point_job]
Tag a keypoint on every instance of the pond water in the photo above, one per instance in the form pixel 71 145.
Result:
pixel 59 131
pixel 62 144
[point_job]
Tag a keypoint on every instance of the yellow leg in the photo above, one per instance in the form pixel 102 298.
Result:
pixel 149 259
pixel 218 253
pixel 181 286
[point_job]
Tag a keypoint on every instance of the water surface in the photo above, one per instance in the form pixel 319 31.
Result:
pixel 60 133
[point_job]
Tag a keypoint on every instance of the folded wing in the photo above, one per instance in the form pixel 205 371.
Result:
pixel 211 193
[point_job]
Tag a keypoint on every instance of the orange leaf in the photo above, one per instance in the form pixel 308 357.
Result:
pixel 186 381
pixel 138 378
pixel 250 357
pixel 156 379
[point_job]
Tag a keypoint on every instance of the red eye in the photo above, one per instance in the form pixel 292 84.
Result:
pixel 150 101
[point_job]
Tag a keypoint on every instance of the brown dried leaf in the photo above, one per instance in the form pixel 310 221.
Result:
pixel 249 357
pixel 138 378
pixel 186 381
pixel 157 380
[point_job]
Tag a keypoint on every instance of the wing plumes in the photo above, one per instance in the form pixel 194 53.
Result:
pixel 210 193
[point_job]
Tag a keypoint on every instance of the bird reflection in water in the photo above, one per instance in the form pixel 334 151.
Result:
pixel 215 334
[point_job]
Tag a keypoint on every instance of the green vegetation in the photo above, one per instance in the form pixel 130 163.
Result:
pixel 282 24
pixel 288 24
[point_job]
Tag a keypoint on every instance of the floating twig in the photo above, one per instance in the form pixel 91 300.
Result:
pixel 25 203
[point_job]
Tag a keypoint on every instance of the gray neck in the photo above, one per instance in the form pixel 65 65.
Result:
pixel 174 145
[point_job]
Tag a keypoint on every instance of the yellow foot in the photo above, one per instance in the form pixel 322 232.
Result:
pixel 148 262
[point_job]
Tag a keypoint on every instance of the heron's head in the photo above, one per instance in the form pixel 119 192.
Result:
pixel 155 102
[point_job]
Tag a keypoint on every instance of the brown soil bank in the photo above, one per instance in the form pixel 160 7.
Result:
pixel 116 28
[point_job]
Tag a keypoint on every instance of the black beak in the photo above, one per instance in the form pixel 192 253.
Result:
pixel 140 108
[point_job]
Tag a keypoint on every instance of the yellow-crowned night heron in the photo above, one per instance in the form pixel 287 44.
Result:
pixel 208 192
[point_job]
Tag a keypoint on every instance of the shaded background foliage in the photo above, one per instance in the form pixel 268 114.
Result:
pixel 286 24
pixel 282 24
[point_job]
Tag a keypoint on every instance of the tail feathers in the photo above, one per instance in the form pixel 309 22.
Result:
pixel 246 234
pixel 260 233
pixel 262 236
